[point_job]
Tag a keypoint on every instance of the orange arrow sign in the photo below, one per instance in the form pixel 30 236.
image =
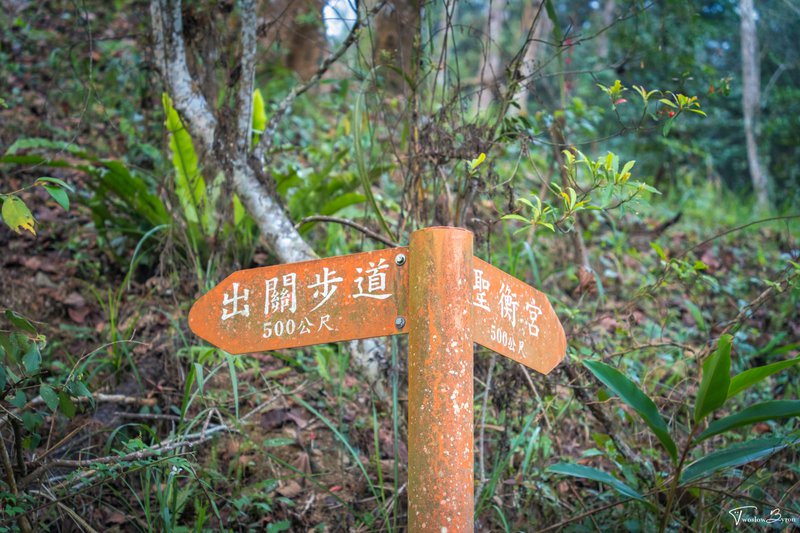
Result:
pixel 314 302
pixel 514 319
pixel 362 295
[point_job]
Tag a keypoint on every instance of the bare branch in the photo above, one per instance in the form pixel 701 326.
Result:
pixel 170 52
pixel 347 222
pixel 187 441
pixel 268 137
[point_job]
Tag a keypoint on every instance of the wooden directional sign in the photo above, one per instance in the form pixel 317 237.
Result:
pixel 514 319
pixel 436 291
pixel 314 302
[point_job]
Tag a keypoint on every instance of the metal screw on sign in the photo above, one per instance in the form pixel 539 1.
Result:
pixel 446 300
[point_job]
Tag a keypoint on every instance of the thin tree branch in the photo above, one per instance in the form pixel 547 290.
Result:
pixel 187 441
pixel 347 222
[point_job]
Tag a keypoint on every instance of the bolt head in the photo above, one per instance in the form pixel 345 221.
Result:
pixel 400 259
pixel 400 322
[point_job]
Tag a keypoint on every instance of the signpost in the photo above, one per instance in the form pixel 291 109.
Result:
pixel 443 298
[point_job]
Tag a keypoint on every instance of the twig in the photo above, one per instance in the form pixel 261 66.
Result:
pixel 657 283
pixel 24 524
pixel 347 222
pixel 765 295
pixel 71 512
pixel 581 516
pixel 147 416
pixel 187 441
pixel 535 392
pixel 735 229
pixel 268 136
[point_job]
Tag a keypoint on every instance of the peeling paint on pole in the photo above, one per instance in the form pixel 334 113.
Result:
pixel 440 397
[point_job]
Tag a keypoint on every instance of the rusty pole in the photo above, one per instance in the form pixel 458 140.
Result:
pixel 440 418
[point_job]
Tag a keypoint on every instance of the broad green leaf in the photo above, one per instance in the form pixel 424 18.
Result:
pixel 32 359
pixel 594 474
pixel 190 187
pixel 609 163
pixel 66 404
pixel 19 321
pixel 475 163
pixel 49 396
pixel 19 400
pixel 716 378
pixel 526 202
pixel 3 379
pixel 80 390
pixel 17 215
pixel 340 202
pixel 322 366
pixel 660 251
pixel 635 398
pixel 259 112
pixel 514 216
pixel 61 183
pixel 734 455
pixel 752 376
pixel 759 412
pixel 59 195
pixel 627 167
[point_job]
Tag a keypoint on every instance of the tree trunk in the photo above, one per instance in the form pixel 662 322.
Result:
pixel 297 27
pixel 606 18
pixel 491 70
pixel 541 30
pixel 393 47
pixel 751 100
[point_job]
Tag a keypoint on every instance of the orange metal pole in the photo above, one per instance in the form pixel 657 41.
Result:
pixel 440 418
